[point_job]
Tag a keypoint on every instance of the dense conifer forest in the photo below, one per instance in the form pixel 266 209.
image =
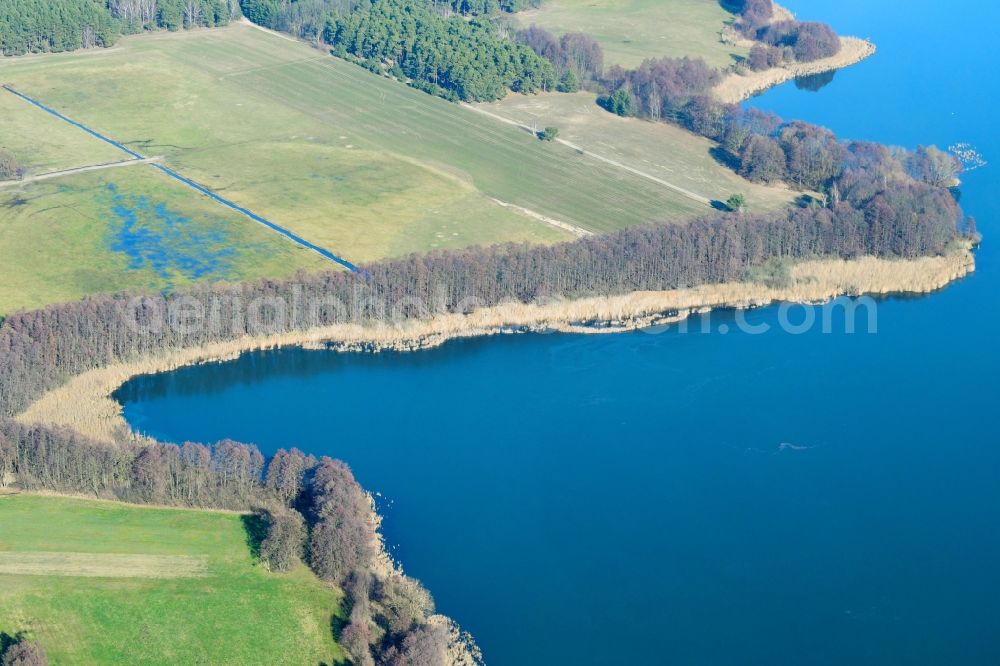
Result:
pixel 43 26
pixel 466 58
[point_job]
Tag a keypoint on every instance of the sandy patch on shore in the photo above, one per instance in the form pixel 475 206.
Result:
pixel 84 404
pixel 735 88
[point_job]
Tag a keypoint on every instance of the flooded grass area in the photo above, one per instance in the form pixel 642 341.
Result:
pixel 127 230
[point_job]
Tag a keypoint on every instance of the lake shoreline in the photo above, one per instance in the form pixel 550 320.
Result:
pixel 85 404
pixel 736 88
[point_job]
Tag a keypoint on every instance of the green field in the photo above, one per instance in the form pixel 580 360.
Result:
pixel 632 30
pixel 128 229
pixel 102 582
pixel 353 162
pixel 661 150
pixel 43 143
pixel 358 164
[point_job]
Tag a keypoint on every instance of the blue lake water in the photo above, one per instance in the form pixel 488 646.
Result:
pixel 692 498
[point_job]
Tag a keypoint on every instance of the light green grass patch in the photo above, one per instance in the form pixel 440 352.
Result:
pixel 174 94
pixel 42 143
pixel 363 166
pixel 661 150
pixel 102 565
pixel 237 613
pixel 62 239
pixel 632 30
pixel 373 203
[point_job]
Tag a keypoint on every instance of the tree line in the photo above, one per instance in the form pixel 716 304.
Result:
pixel 875 207
pixel 459 50
pixel 464 59
pixel 43 26
pixel 450 48
pixel 781 41
pixel 305 19
pixel 307 509
pixel 763 148
pixel 577 58
pixel 486 7
pixel 139 15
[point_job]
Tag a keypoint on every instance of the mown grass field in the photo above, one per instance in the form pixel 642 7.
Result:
pixel 662 150
pixel 632 30
pixel 186 591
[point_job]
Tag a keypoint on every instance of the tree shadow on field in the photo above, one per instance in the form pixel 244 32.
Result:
pixel 724 158
pixel 7 640
pixel 255 526
pixel 807 201
pixel 337 624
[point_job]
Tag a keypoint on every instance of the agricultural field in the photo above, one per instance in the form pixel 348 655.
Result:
pixel 632 30
pixel 662 150
pixel 103 582
pixel 362 166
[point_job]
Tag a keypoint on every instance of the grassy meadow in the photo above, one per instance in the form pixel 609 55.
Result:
pixel 662 150
pixel 102 582
pixel 128 229
pixel 358 164
pixel 43 143
pixel 632 30
pixel 361 165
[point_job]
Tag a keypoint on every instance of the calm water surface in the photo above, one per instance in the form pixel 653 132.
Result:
pixel 633 499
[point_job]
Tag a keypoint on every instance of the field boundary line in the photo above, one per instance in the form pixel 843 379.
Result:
pixel 75 170
pixel 72 122
pixel 579 232
pixel 583 151
pixel 195 186
pixel 245 21
pixel 102 565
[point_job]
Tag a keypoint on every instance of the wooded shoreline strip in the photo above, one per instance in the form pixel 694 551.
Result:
pixel 84 403
pixel 735 88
